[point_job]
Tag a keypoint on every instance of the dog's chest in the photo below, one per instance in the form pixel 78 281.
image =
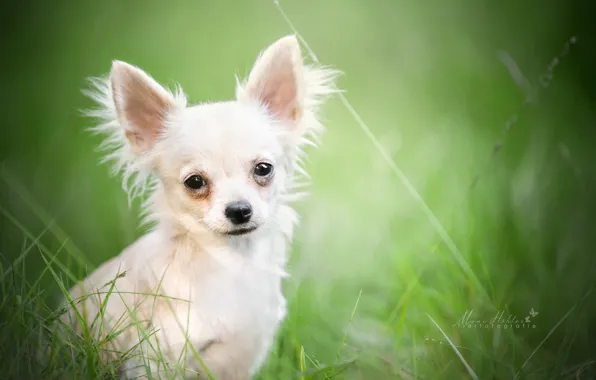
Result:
pixel 237 306
pixel 240 299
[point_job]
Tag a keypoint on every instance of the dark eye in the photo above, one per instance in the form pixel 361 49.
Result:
pixel 263 169
pixel 195 182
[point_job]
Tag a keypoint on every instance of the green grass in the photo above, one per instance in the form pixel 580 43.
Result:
pixel 392 339
pixel 437 189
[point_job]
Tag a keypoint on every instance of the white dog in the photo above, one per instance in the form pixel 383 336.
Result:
pixel 201 292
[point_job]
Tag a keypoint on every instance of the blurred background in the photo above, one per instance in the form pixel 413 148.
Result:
pixel 476 195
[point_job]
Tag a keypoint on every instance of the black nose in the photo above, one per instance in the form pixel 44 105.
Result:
pixel 238 212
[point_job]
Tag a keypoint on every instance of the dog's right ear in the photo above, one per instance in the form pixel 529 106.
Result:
pixel 141 105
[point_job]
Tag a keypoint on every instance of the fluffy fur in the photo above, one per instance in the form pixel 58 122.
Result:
pixel 194 292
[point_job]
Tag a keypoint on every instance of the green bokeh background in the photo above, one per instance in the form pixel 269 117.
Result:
pixel 515 202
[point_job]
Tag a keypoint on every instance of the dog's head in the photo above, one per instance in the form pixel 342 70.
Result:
pixel 225 167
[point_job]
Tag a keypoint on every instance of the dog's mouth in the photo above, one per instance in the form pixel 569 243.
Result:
pixel 241 231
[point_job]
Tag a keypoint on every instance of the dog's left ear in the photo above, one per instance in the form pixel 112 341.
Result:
pixel 277 80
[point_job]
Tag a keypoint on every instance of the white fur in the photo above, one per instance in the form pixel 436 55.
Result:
pixel 220 294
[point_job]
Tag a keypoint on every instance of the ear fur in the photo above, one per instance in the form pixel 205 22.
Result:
pixel 290 90
pixel 131 109
pixel 141 105
pixel 276 79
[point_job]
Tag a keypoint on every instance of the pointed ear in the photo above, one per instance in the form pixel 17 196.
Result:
pixel 141 105
pixel 276 80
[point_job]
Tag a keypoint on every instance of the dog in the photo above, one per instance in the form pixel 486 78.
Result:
pixel 200 295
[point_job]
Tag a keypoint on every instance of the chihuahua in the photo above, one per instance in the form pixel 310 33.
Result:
pixel 200 294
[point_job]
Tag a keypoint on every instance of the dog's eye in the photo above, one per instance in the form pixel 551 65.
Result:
pixel 263 169
pixel 195 182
